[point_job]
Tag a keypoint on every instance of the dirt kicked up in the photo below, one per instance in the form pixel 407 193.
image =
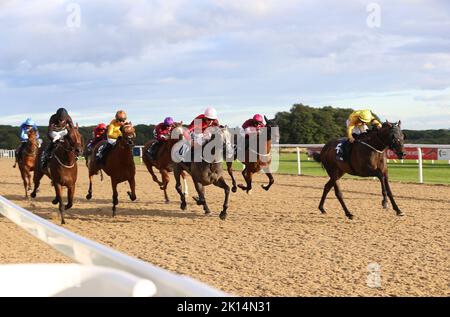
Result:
pixel 272 244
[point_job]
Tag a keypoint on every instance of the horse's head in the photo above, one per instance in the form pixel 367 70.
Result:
pixel 393 137
pixel 74 140
pixel 128 134
pixel 272 125
pixel 32 135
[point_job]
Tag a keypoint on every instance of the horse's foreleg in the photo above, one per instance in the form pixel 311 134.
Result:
pixel 340 197
pixel 230 172
pixel 154 177
pixel 70 196
pixel 382 179
pixel 24 176
pixel 185 184
pixel 165 180
pixel 271 181
pixel 132 193
pixel 391 196
pixel 222 184
pixel 89 194
pixel 177 173
pixel 115 196
pixel 201 200
pixel 58 199
pixel 37 181
pixel 326 190
pixel 248 179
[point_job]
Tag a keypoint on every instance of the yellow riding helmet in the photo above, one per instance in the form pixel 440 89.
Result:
pixel 365 116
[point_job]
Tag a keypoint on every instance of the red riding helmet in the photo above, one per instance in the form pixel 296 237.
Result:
pixel 258 118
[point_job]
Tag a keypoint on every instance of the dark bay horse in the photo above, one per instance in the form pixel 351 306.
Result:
pixel 28 160
pixel 62 169
pixel 262 161
pixel 163 161
pixel 367 159
pixel 205 172
pixel 119 165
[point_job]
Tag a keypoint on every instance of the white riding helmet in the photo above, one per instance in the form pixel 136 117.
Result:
pixel 211 113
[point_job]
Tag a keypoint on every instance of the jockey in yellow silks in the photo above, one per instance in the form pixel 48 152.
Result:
pixel 114 132
pixel 358 121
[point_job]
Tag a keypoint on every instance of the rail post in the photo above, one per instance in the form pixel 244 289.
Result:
pixel 419 151
pixel 299 163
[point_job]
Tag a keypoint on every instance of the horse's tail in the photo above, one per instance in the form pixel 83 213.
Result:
pixel 317 157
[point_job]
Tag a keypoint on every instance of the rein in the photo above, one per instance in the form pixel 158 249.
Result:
pixel 62 164
pixel 371 147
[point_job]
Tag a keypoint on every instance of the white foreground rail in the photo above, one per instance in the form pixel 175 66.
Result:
pixel 88 252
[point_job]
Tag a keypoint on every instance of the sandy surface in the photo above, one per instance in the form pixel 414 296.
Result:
pixel 272 244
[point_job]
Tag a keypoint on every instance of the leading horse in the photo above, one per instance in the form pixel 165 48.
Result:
pixel 367 159
pixel 62 169
pixel 119 165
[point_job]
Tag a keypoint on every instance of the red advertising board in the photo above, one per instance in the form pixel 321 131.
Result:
pixel 413 154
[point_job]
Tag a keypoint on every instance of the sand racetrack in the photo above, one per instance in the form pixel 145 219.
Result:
pixel 272 244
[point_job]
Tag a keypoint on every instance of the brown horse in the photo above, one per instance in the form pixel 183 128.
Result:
pixel 87 154
pixel 119 165
pixel 62 169
pixel 367 159
pixel 204 173
pixel 163 161
pixel 28 160
pixel 262 161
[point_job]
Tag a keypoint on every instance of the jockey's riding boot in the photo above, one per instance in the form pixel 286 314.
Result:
pixel 101 157
pixel 47 154
pixel 153 150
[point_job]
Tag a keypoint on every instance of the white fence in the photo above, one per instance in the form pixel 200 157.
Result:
pixel 88 252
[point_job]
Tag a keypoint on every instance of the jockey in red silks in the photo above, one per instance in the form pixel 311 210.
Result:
pixel 201 123
pixel 253 125
pixel 99 134
pixel 162 133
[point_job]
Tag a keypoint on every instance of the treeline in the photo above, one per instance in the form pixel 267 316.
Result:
pixel 301 125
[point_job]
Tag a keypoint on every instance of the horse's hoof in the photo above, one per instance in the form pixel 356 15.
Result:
pixel 249 192
pixel 183 206
pixel 242 187
pixel 234 189
pixel 132 196
pixel 167 201
pixel 322 210
pixel 68 206
pixel 400 213
pixel 207 212
pixel 63 222
pixel 223 215
pixel 89 196
pixel 55 201
pixel 198 201
pixel 266 188
pixel 350 216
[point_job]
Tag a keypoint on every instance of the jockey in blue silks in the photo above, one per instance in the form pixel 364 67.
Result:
pixel 24 128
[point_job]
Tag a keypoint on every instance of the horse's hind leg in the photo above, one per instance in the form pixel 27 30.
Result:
pixel 132 193
pixel 165 181
pixel 154 177
pixel 340 197
pixel 328 186
pixel 222 184
pixel 24 175
pixel 248 179
pixel 201 201
pixel 391 196
pixel 185 184
pixel 230 172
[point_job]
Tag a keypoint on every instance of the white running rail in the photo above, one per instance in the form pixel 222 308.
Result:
pixel 88 252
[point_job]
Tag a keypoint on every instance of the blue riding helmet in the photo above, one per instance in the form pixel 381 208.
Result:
pixel 30 122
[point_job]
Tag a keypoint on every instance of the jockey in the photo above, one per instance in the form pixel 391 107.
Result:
pixel 114 132
pixel 99 134
pixel 162 134
pixel 358 121
pixel 253 125
pixel 201 123
pixel 58 125
pixel 24 128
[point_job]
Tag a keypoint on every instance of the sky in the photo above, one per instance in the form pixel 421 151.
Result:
pixel 160 58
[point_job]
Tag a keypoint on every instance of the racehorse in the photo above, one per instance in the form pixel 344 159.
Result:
pixel 263 160
pixel 119 165
pixel 163 161
pixel 28 160
pixel 367 159
pixel 87 154
pixel 62 169
pixel 205 173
